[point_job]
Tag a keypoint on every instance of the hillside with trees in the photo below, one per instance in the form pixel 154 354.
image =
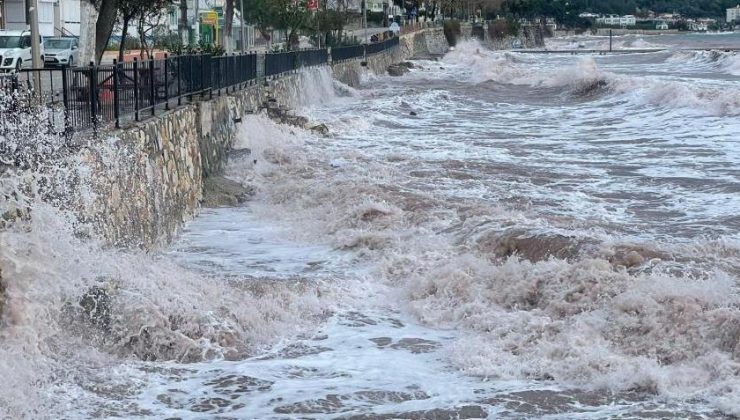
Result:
pixel 568 10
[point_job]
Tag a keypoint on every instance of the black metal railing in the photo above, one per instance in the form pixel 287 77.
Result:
pixel 378 47
pixel 233 71
pixel 279 63
pixel 313 57
pixel 347 53
pixel 90 96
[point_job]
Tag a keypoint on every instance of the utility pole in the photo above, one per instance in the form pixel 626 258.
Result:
pixel 196 21
pixel 183 26
pixel 241 17
pixel 33 12
pixel 610 40
pixel 364 20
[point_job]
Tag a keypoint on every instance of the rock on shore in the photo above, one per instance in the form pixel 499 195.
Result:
pixel 400 69
pixel 223 192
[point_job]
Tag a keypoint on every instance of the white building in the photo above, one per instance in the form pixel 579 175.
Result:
pixel 374 6
pixel 698 26
pixel 56 17
pixel 661 26
pixel 733 14
pixel 614 20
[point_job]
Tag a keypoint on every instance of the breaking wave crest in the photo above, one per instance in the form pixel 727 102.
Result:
pixel 76 309
pixel 535 298
pixel 584 79
pixel 601 43
pixel 586 310
pixel 727 62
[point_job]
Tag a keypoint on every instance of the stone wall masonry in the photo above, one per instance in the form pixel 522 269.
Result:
pixel 135 187
pixel 421 44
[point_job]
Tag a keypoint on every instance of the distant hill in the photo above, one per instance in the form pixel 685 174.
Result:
pixel 565 10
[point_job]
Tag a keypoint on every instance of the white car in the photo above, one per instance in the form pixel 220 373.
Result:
pixel 15 51
pixel 61 52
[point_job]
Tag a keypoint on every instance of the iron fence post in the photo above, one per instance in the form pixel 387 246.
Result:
pixel 65 99
pixel 166 83
pixel 218 75
pixel 152 98
pixel 190 78
pixel 234 72
pixel 179 80
pixel 116 109
pixel 93 89
pixel 136 89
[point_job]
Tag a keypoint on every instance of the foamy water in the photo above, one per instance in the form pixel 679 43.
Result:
pixel 548 236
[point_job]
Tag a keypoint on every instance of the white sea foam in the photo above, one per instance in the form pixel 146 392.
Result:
pixel 617 316
pixel 585 77
pixel 541 244
pixel 55 355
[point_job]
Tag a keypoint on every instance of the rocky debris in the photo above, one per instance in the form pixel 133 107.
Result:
pixel 295 120
pixel 529 246
pixel 407 64
pixel 318 128
pixel 464 412
pixel 416 345
pixel 13 215
pixel 397 70
pixel 96 306
pixel 223 192
pixel 285 116
pixel 630 256
pixel 412 113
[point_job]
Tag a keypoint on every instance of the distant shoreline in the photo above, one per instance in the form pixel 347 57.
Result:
pixel 618 32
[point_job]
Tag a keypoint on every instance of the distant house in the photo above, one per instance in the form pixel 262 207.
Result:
pixel 588 16
pixel 56 17
pixel 697 26
pixel 661 25
pixel 733 14
pixel 614 20
pixel 670 17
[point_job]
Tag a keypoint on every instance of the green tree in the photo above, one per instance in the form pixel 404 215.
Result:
pixel 289 15
pixel 143 10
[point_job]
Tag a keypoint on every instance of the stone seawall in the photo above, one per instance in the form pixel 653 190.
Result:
pixel 421 44
pixel 135 187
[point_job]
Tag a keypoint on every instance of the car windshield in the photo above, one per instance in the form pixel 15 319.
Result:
pixel 7 41
pixel 58 44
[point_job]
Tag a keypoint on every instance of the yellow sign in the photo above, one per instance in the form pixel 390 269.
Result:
pixel 209 18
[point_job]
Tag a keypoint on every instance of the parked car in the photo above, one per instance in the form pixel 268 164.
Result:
pixel 61 51
pixel 15 51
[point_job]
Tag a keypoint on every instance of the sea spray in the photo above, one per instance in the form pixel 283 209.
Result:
pixel 608 314
pixel 74 306
pixel 551 245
